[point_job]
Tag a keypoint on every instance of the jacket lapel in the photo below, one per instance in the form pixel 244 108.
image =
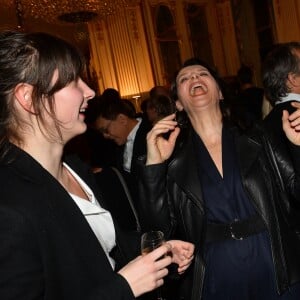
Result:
pixel 184 170
pixel 63 209
pixel 248 150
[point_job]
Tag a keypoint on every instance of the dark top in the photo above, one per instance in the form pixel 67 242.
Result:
pixel 139 149
pixel 234 269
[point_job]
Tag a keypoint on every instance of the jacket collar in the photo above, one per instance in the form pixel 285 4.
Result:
pixel 183 168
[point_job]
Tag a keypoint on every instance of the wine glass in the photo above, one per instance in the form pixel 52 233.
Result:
pixel 150 241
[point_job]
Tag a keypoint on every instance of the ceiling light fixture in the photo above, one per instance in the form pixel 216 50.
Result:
pixel 71 11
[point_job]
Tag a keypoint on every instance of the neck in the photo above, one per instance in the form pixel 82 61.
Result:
pixel 131 124
pixel 208 125
pixel 48 154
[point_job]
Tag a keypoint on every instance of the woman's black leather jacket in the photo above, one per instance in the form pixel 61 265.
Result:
pixel 171 201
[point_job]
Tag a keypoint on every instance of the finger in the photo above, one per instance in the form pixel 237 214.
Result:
pixel 182 269
pixel 169 117
pixel 159 282
pixel 161 273
pixel 184 261
pixel 174 134
pixel 295 104
pixel 295 115
pixel 285 120
pixel 162 262
pixel 158 130
pixel 159 252
pixel 169 246
pixel 294 120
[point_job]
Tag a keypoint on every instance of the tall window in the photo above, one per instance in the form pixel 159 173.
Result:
pixel 264 25
pixel 199 35
pixel 167 42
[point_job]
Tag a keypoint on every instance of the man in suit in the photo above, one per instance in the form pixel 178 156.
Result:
pixel 116 121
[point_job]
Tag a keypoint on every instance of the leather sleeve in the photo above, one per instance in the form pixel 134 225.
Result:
pixel 155 207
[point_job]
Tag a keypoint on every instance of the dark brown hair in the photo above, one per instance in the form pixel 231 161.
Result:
pixel 33 58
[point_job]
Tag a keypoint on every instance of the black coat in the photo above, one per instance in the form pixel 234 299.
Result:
pixel 48 250
pixel 173 203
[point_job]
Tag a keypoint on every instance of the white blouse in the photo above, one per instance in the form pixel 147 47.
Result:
pixel 99 219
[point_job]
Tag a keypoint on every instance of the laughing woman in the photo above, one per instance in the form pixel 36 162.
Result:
pixel 219 190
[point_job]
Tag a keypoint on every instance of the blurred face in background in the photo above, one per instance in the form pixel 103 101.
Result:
pixel 116 130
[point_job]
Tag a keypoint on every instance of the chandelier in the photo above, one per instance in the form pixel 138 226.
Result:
pixel 70 11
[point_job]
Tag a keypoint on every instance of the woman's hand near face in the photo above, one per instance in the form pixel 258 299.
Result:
pixel 159 148
pixel 146 273
pixel 291 124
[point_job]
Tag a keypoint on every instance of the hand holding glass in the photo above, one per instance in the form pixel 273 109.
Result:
pixel 150 241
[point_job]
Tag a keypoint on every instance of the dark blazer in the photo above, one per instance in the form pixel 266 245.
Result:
pixel 139 149
pixel 48 251
pixel 172 201
pixel 140 143
pixel 139 146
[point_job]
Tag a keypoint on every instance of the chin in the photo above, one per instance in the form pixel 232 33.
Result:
pixel 80 130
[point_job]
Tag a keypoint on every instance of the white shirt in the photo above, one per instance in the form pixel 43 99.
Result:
pixel 128 149
pixel 99 219
pixel 289 97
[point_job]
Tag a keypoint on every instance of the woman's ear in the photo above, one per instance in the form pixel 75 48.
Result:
pixel 178 105
pixel 23 94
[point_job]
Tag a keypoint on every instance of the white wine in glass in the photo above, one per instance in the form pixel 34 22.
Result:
pixel 150 241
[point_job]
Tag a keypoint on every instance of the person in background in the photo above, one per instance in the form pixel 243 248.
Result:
pixel 247 108
pixel 218 188
pixel 281 81
pixel 158 107
pixel 159 90
pixel 57 241
pixel 116 122
pixel 110 94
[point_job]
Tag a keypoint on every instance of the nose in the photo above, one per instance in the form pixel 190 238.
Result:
pixel 195 76
pixel 88 93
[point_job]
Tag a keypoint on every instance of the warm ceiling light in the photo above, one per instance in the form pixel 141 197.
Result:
pixel 72 11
